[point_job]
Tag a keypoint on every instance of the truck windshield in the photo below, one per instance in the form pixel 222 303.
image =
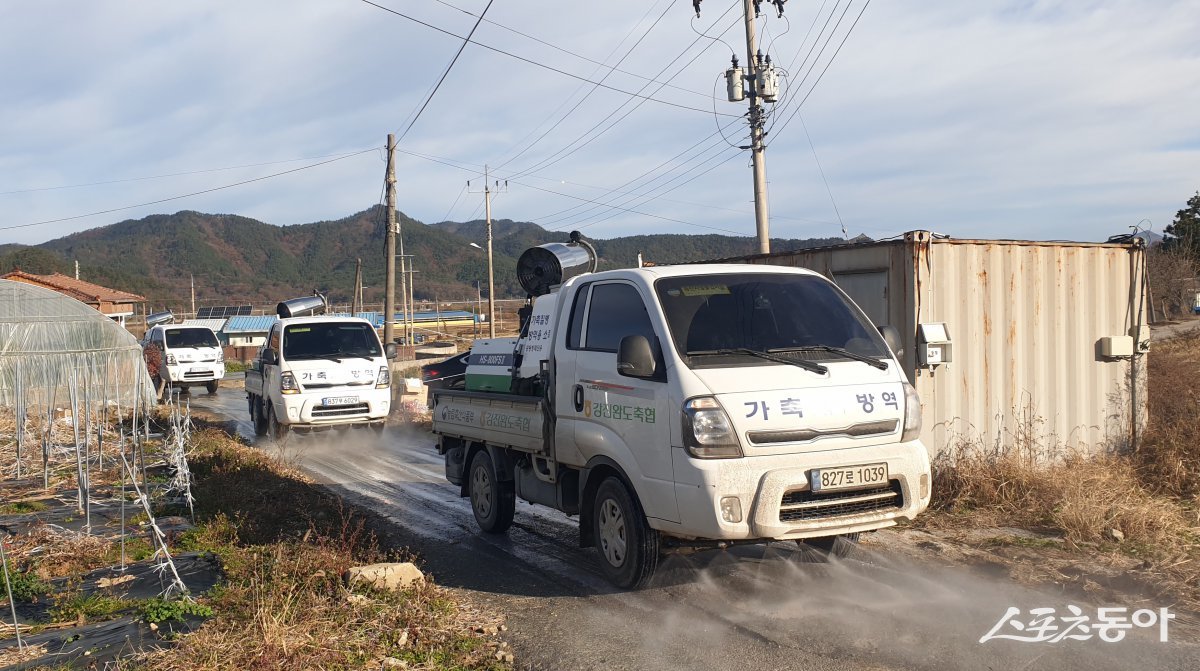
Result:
pixel 711 317
pixel 329 340
pixel 191 338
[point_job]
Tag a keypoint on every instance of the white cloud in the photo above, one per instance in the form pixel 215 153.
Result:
pixel 984 119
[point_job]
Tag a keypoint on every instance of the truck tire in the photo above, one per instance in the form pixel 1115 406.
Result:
pixel 276 430
pixel 256 416
pixel 211 387
pixel 629 549
pixel 493 502
pixel 821 549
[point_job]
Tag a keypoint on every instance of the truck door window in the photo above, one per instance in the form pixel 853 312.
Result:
pixel 575 332
pixel 615 311
pixel 273 340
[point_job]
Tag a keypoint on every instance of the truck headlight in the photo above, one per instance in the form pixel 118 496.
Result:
pixel 707 431
pixel 385 378
pixel 220 357
pixel 287 384
pixel 171 360
pixel 912 414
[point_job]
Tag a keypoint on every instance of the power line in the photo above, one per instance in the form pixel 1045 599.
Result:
pixel 593 90
pixel 572 53
pixel 185 195
pixel 175 174
pixel 454 60
pixel 822 171
pixel 644 214
pixel 571 148
pixel 529 60
pixel 822 75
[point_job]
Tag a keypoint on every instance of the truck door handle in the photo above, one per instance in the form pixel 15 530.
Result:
pixel 578 398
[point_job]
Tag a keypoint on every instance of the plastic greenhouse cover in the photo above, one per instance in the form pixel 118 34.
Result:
pixel 51 344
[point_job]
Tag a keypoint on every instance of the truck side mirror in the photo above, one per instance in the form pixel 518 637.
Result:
pixel 892 337
pixel 269 357
pixel 635 358
pixel 389 350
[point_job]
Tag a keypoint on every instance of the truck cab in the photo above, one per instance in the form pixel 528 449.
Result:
pixel 189 356
pixel 317 373
pixel 697 405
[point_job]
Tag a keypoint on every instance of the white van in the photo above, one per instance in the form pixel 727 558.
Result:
pixel 191 356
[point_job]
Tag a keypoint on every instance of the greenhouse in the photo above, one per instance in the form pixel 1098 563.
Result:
pixel 61 359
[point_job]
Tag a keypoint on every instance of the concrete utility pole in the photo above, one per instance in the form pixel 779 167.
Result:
pixel 487 206
pixel 757 148
pixel 356 300
pixel 389 297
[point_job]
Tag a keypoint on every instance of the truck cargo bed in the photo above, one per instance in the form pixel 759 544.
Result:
pixel 504 420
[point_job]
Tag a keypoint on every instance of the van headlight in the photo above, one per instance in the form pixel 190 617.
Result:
pixel 707 431
pixel 912 414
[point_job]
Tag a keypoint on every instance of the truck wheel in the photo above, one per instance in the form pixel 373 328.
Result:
pixel 629 548
pixel 492 501
pixel 274 428
pixel 821 549
pixel 256 415
pixel 211 387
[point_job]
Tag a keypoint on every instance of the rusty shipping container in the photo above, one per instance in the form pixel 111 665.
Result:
pixel 1044 342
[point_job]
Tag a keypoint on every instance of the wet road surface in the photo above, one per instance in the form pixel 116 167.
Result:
pixel 758 607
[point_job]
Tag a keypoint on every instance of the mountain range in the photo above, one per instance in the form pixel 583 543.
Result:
pixel 234 259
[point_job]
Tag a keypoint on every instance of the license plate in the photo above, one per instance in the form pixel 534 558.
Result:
pixel 339 400
pixel 198 370
pixel 848 477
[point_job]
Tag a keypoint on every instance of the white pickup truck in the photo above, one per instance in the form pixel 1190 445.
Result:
pixel 688 406
pixel 187 356
pixel 318 373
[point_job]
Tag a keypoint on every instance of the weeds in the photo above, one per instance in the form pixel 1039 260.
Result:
pixel 27 586
pixel 159 610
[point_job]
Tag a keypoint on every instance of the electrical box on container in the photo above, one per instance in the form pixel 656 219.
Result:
pixel 1115 347
pixel 934 347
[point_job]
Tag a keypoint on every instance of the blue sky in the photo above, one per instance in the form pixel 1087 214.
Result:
pixel 993 118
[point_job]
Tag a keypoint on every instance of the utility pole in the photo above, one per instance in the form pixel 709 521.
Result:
pixel 389 296
pixel 757 148
pixel 356 300
pixel 758 82
pixel 487 206
pixel 193 280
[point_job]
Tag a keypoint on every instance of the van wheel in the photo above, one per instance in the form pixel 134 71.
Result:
pixel 256 415
pixel 211 387
pixel 822 548
pixel 492 501
pixel 629 549
pixel 274 428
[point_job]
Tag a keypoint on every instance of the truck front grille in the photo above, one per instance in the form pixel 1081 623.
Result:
pixel 198 375
pixel 806 505
pixel 340 410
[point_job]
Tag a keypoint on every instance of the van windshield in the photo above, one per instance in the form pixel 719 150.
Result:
pixel 711 317
pixel 191 338
pixel 329 340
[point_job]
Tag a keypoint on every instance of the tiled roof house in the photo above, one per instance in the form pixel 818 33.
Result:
pixel 112 302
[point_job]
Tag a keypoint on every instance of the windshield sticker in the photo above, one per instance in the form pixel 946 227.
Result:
pixel 706 290
pixel 299 329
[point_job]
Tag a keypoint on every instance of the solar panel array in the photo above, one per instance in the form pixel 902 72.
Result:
pixel 223 311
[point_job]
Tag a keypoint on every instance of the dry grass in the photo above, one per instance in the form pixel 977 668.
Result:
pixel 1150 496
pixel 284 545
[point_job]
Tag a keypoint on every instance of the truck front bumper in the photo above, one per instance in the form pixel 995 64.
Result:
pixel 186 373
pixel 310 411
pixel 770 498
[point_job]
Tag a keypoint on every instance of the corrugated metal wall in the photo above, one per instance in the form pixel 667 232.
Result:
pixel 1024 318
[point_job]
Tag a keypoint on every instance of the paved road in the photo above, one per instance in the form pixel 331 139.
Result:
pixel 756 607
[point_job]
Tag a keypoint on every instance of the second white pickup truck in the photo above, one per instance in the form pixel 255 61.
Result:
pixel 688 406
pixel 318 373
